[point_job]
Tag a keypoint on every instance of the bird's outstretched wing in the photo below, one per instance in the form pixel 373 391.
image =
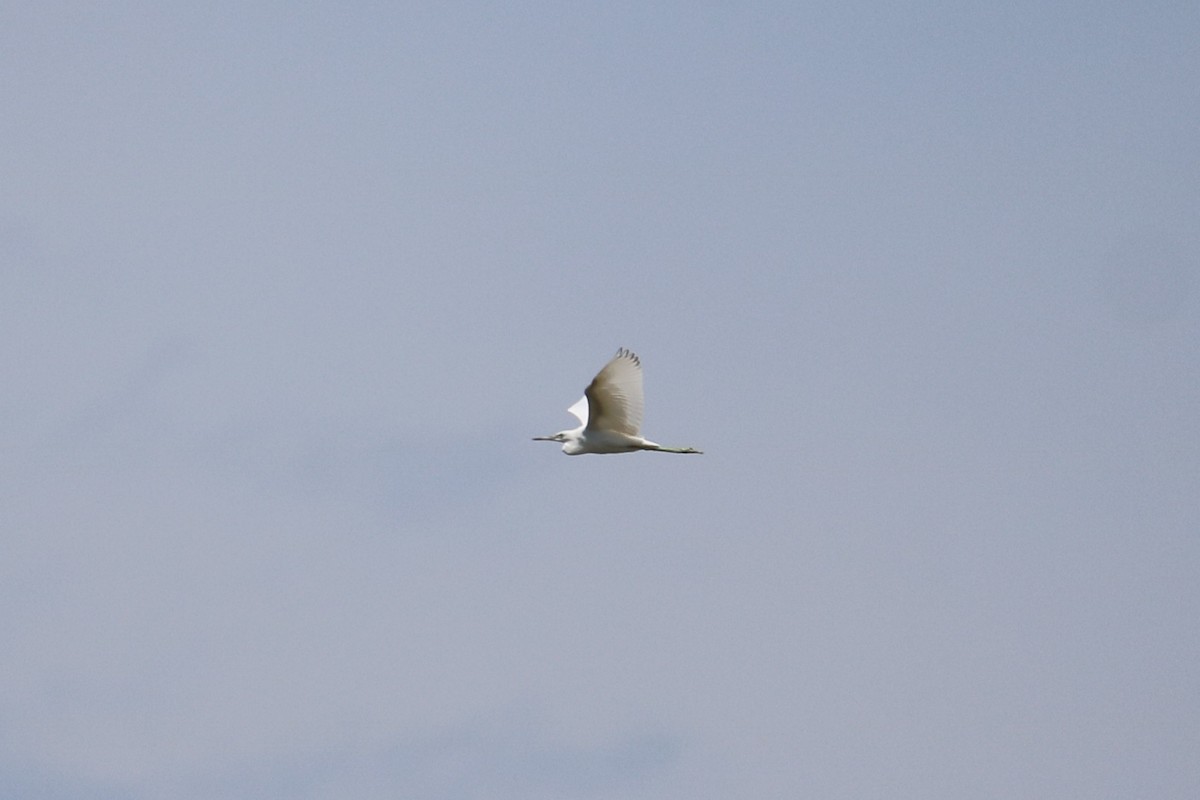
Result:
pixel 614 397
pixel 580 410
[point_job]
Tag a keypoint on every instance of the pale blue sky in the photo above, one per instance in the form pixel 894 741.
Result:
pixel 287 289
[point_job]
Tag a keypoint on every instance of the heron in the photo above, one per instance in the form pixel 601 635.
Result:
pixel 610 413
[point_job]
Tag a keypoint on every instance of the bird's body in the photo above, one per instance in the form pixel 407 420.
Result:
pixel 610 413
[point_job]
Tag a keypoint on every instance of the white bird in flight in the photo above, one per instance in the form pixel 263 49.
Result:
pixel 611 413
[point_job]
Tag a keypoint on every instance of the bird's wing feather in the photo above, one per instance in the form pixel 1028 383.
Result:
pixel 580 410
pixel 614 396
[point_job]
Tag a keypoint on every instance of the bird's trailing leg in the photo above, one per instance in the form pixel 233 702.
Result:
pixel 662 449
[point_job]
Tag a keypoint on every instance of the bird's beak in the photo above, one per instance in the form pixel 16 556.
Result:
pixel 543 438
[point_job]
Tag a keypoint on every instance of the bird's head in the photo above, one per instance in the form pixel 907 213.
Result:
pixel 570 440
